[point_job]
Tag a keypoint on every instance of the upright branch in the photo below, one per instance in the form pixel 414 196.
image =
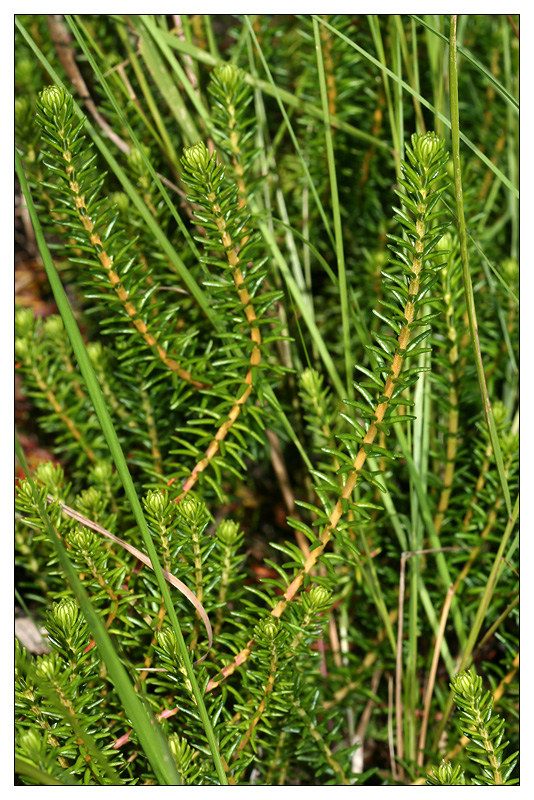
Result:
pixel 422 181
pixel 220 216
pixel 231 96
pixel 415 262
pixel 79 192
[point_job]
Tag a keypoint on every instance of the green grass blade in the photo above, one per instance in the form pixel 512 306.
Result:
pixel 178 71
pixel 277 95
pixel 468 286
pixel 491 584
pixel 336 212
pixel 412 72
pixel 31 771
pixel 374 25
pixel 268 88
pixel 164 82
pixel 510 99
pixel 107 66
pixel 134 138
pixel 496 171
pixel 164 139
pixel 303 307
pixel 433 537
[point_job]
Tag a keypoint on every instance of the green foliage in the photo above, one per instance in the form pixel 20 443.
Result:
pixel 260 245
pixel 485 731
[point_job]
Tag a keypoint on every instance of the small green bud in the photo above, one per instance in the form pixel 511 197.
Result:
pixel 167 641
pixel 445 772
pixel 426 147
pixel 197 157
pixel 21 349
pixel 135 159
pixel 50 475
pixel 318 596
pixel 24 71
pixel 82 540
pixel 25 489
pixel 267 629
pixel 500 412
pixel 310 380
pixel 54 100
pixel 510 269
pixel 180 749
pixel 89 500
pixel 510 445
pixel 23 111
pixel 229 76
pixel 121 200
pixel 228 532
pixel 31 743
pixel 48 667
pixel 94 351
pixel 191 511
pixel 447 775
pixel 270 629
pixel 466 683
pixel 157 504
pixel 65 614
pixel 102 472
pixel 53 327
pixel 24 321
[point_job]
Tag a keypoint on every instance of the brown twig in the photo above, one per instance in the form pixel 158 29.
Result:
pixel 512 23
pixel 391 738
pixel 432 675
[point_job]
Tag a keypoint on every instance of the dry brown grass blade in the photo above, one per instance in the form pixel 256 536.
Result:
pixel 70 512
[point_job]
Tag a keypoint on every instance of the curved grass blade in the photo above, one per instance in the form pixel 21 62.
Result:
pixel 336 211
pixel 172 579
pixel 294 139
pixel 286 97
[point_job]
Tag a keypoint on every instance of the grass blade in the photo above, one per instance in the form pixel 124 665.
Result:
pixel 336 212
pixel 468 142
pixel 24 768
pixel 468 286
pixel 510 99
